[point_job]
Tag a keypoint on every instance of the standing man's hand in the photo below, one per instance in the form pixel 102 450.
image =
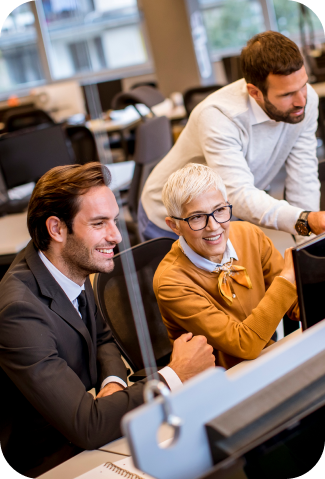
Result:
pixel 191 355
pixel 109 389
pixel 316 221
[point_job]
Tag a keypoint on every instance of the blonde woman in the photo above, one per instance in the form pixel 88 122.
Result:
pixel 224 280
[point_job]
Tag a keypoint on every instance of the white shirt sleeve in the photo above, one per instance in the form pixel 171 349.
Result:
pixel 171 378
pixel 167 373
pixel 222 146
pixel 113 379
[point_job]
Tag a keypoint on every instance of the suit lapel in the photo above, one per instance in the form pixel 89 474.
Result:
pixel 62 306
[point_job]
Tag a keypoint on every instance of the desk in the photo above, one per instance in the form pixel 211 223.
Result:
pixel 282 341
pixel 115 450
pixel 83 462
pixel 129 117
pixel 122 174
pixel 15 235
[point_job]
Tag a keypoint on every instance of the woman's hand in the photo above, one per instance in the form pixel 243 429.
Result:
pixel 288 271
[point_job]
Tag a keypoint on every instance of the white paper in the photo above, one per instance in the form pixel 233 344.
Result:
pixel 103 472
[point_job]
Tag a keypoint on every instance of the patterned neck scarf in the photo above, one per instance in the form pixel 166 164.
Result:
pixel 227 270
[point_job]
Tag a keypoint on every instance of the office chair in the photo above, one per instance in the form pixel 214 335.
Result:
pixel 194 96
pixel 145 95
pixel 114 304
pixel 153 141
pixel 26 119
pixel 153 84
pixel 83 144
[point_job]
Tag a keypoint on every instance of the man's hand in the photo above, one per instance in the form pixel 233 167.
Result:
pixel 191 356
pixel 316 221
pixel 109 389
pixel 288 271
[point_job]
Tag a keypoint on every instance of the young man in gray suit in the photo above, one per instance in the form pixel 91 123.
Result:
pixel 54 344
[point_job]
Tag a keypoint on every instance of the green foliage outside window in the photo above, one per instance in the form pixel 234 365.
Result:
pixel 287 15
pixel 231 23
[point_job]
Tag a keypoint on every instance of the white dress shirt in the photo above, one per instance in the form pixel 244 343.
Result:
pixel 73 290
pixel 203 263
pixel 232 134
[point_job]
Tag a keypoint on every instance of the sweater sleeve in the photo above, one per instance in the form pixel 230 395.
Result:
pixel 183 306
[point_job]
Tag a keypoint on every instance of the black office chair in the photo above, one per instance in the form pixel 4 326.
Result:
pixel 114 304
pixel 26 119
pixel 83 143
pixel 152 142
pixel 194 96
pixel 145 95
pixel 153 84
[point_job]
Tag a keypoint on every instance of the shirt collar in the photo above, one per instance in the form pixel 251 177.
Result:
pixel 258 114
pixel 203 263
pixel 71 289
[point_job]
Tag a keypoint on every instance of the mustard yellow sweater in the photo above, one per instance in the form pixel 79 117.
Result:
pixel 189 299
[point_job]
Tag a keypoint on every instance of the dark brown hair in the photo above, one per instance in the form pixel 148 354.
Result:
pixel 269 52
pixel 57 194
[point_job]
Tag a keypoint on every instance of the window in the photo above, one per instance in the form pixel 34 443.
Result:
pixel 230 23
pixel 19 58
pixel 92 35
pixel 288 16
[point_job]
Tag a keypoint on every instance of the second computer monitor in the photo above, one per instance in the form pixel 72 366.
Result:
pixel 26 156
pixel 309 262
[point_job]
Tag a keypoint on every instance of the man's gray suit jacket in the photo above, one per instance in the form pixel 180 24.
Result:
pixel 48 362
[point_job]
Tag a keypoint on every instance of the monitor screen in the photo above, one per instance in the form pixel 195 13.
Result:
pixel 309 262
pixel 106 91
pixel 26 156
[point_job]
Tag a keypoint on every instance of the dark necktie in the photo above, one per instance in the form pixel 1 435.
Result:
pixel 83 308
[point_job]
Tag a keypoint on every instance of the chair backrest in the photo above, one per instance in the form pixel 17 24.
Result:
pixel 26 119
pixel 153 140
pixel 146 95
pixel 114 303
pixel 321 176
pixel 194 96
pixel 83 144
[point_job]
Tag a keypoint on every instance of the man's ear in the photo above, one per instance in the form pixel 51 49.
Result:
pixel 255 92
pixel 56 228
pixel 173 225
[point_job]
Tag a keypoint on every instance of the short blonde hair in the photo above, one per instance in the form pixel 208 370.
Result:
pixel 187 183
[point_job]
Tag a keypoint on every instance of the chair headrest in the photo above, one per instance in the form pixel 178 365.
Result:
pixel 146 95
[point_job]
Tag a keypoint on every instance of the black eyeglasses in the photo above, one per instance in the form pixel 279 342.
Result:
pixel 200 221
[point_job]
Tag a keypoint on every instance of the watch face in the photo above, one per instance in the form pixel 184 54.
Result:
pixel 302 229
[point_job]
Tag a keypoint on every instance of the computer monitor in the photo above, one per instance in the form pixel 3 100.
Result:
pixel 26 156
pixel 309 263
pixel 106 92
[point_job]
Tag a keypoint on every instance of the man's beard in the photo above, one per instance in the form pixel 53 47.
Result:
pixel 79 260
pixel 279 115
